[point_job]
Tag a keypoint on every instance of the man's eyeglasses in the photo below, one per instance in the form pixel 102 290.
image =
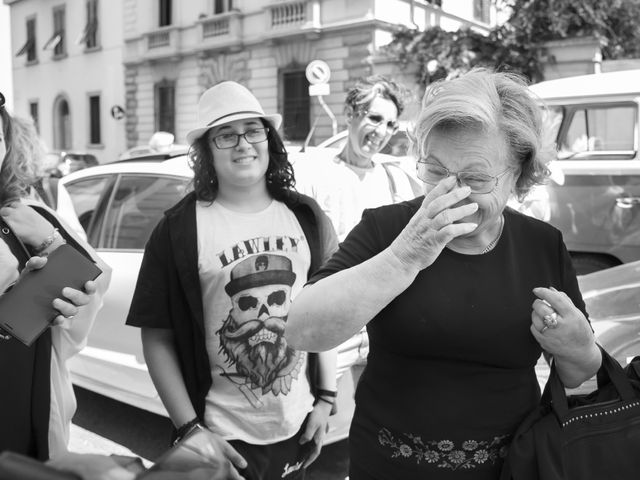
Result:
pixel 375 119
pixel 1 100
pixel 231 140
pixel 478 182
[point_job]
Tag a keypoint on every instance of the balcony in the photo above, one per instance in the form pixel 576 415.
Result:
pixel 284 18
pixel 221 31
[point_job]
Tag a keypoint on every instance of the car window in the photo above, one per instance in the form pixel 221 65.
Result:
pixel 85 194
pixel 137 205
pixel 600 128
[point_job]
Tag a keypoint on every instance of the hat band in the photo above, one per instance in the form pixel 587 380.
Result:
pixel 257 114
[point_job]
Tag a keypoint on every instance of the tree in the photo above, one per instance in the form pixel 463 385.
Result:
pixel 518 44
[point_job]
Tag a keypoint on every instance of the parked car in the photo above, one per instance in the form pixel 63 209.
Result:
pixel 116 206
pixel 612 298
pixel 61 163
pixel 595 197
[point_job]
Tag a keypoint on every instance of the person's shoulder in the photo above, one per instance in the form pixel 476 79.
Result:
pixel 529 225
pixel 399 212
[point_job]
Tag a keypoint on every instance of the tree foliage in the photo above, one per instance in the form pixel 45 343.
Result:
pixel 518 44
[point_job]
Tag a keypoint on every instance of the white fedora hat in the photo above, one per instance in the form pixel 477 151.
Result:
pixel 226 102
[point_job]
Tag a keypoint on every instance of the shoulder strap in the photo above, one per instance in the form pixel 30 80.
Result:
pixel 392 183
pixel 16 246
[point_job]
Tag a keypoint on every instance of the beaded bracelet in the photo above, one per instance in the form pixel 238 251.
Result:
pixel 47 241
pixel 186 428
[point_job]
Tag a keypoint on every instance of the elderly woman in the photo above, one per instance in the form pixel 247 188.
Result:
pixel 459 294
pixel 38 402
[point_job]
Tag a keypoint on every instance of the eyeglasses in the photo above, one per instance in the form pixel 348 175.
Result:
pixel 478 182
pixel 231 140
pixel 375 119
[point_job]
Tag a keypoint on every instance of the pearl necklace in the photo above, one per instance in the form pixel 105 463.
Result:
pixel 493 242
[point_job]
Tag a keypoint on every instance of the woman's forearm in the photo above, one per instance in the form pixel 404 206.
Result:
pixel 325 314
pixel 162 361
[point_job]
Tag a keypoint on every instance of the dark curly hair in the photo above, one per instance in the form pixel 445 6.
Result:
pixel 280 179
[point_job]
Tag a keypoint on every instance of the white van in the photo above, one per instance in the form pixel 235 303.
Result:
pixel 594 195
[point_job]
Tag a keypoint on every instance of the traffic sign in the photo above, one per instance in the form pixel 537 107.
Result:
pixel 117 112
pixel 319 89
pixel 318 72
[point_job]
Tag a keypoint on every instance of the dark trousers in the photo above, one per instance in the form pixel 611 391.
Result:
pixel 278 460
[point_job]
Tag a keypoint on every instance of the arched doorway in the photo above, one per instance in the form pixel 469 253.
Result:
pixel 61 124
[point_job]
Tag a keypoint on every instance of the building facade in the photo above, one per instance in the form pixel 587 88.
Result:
pixel 152 59
pixel 68 73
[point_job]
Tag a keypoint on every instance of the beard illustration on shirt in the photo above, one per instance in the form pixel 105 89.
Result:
pixel 252 336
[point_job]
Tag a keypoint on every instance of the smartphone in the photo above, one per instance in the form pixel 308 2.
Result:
pixel 192 451
pixel 26 310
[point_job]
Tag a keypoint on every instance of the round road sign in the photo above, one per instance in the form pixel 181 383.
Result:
pixel 318 72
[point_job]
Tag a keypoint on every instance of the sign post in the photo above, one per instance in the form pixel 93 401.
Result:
pixel 318 73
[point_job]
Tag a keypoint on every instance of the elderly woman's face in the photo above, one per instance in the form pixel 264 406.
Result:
pixel 480 153
pixel 372 129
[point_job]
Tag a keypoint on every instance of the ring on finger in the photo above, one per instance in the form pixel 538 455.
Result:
pixel 543 329
pixel 551 320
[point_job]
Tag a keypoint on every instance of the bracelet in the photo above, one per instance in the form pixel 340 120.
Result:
pixel 47 241
pixel 328 393
pixel 322 399
pixel 186 428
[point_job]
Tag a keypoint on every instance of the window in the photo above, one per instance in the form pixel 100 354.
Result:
pixel 165 13
pixel 85 195
pixel 165 106
pixel 61 124
pixel 90 33
pixel 33 111
pixel 295 105
pixel 57 40
pixel 29 46
pixel 222 6
pixel 481 11
pixel 137 206
pixel 598 129
pixel 94 120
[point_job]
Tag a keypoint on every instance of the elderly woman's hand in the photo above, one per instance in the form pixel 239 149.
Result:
pixel 434 225
pixel 563 331
pixel 28 225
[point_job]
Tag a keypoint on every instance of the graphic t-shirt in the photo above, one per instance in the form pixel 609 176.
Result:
pixel 251 265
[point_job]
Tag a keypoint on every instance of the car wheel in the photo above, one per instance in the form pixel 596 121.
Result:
pixel 585 263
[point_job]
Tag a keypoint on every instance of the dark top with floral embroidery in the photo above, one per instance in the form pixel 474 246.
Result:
pixel 450 373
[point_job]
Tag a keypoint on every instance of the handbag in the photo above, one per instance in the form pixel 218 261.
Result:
pixel 581 437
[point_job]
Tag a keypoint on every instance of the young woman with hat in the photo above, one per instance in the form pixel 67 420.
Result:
pixel 214 289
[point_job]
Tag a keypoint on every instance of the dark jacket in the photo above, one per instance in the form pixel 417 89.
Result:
pixel 168 293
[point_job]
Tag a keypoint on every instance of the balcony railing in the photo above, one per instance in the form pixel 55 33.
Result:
pixel 158 39
pixel 215 27
pixel 289 14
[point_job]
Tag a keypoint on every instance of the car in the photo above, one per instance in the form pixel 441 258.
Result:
pixel 612 299
pixel 594 198
pixel 115 207
pixel 61 163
